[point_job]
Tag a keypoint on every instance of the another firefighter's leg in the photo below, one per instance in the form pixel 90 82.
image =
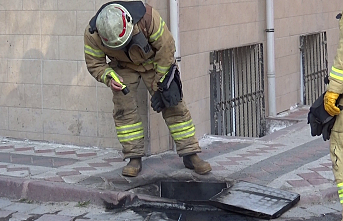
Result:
pixel 128 123
pixel 181 127
pixel 336 153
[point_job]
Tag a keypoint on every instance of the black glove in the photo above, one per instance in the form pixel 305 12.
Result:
pixel 171 87
pixel 157 103
pixel 320 121
pixel 315 125
pixel 327 129
pixel 172 96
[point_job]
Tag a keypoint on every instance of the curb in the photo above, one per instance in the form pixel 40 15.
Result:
pixel 45 191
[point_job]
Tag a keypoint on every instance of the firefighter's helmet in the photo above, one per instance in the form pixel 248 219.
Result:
pixel 114 24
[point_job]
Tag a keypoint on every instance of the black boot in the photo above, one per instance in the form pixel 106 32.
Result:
pixel 133 167
pixel 194 162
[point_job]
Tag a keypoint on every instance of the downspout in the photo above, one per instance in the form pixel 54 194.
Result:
pixel 174 28
pixel 270 58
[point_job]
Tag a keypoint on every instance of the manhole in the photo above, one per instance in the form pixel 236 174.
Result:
pixel 191 192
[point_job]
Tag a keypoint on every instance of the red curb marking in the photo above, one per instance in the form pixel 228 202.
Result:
pixel 68 173
pixel 298 183
pixel 315 182
pixel 99 164
pixel 320 169
pixel 44 151
pixel 23 148
pixel 66 152
pixel 6 147
pixel 308 176
pixel 86 154
pixel 17 169
pixel 111 160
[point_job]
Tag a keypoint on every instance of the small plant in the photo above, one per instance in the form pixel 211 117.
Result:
pixel 83 203
pixel 23 200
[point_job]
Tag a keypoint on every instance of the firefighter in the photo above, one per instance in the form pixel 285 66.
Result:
pixel 129 41
pixel 335 88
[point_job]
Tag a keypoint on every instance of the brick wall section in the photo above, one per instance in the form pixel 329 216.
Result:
pixel 47 94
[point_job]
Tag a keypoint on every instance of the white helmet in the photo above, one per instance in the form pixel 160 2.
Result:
pixel 114 24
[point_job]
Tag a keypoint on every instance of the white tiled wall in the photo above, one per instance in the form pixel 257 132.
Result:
pixel 46 92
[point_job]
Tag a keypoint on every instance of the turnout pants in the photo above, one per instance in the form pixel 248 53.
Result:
pixel 336 153
pixel 129 125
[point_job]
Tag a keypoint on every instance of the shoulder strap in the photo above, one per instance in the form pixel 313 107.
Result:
pixel 145 23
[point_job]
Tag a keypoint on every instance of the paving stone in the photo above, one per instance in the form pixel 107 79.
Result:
pixel 5 213
pixel 21 207
pixel 319 210
pixel 73 209
pixel 20 217
pixel 48 208
pixel 5 202
pixel 316 182
pixel 298 183
pixel 48 217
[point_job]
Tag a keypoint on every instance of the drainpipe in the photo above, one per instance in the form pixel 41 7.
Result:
pixel 174 28
pixel 270 58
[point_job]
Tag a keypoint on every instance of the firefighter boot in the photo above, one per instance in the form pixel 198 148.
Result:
pixel 194 162
pixel 133 167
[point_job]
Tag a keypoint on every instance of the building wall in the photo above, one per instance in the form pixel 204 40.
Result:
pixel 46 92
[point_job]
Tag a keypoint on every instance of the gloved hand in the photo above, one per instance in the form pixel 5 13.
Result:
pixel 330 99
pixel 157 102
pixel 172 96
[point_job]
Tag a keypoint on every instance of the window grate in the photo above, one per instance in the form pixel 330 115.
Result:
pixel 314 64
pixel 237 92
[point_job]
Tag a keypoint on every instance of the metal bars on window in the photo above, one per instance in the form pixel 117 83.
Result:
pixel 237 92
pixel 314 65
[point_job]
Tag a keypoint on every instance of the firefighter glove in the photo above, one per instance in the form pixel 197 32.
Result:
pixel 157 103
pixel 327 129
pixel 172 96
pixel 330 99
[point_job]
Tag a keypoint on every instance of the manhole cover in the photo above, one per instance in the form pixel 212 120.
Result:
pixel 255 200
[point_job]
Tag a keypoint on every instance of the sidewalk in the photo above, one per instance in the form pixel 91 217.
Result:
pixel 288 159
